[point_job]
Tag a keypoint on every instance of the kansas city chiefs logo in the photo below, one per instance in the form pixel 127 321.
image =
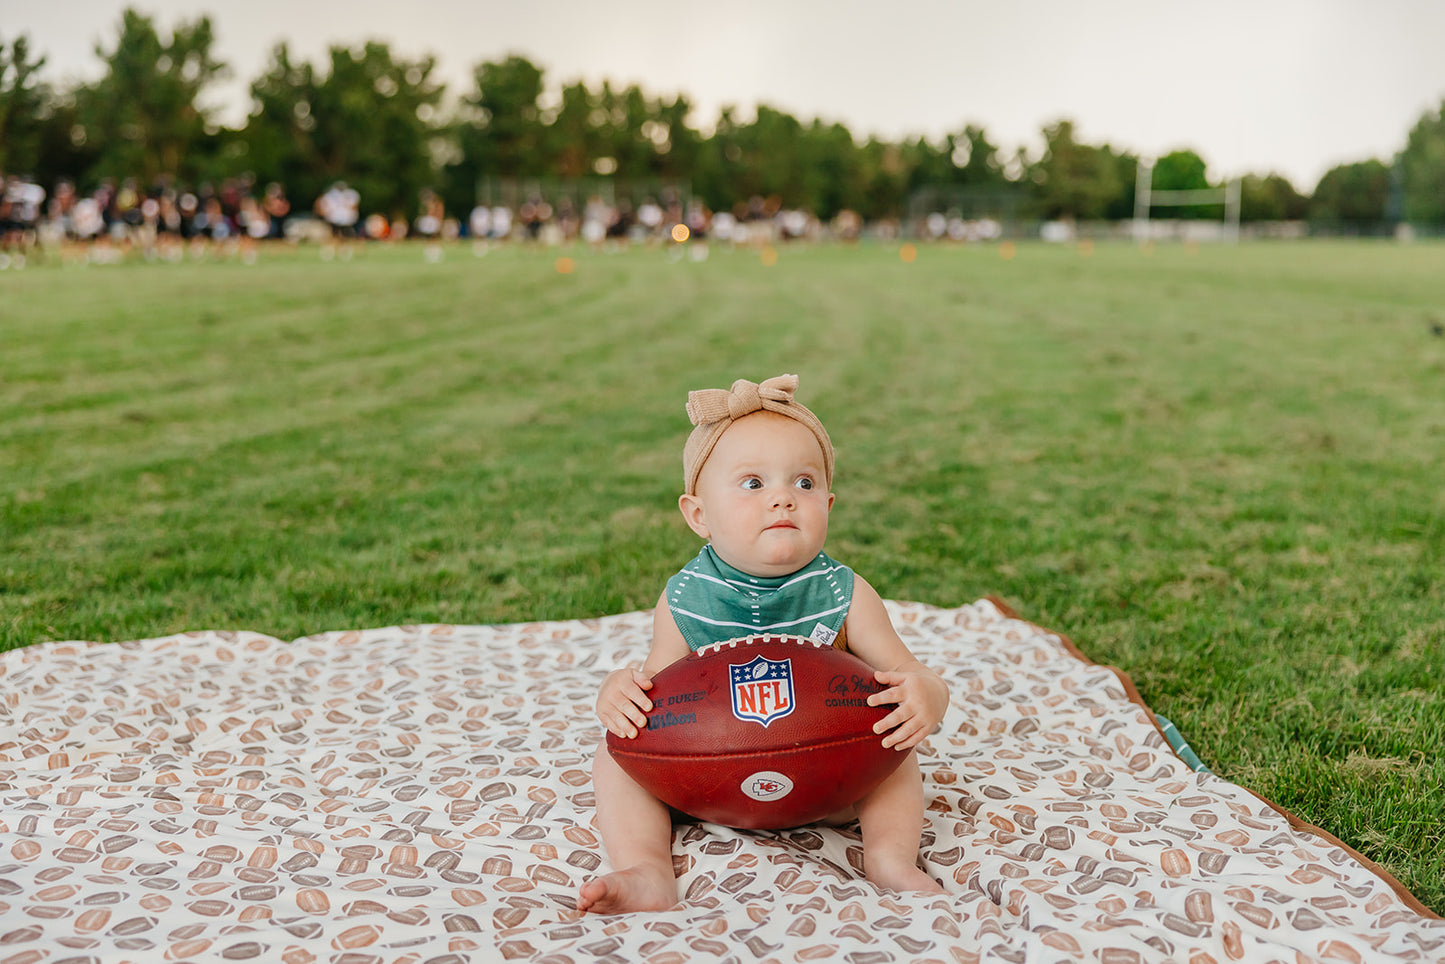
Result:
pixel 762 689
pixel 767 785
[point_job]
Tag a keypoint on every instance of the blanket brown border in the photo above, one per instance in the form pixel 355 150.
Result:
pixel 1405 896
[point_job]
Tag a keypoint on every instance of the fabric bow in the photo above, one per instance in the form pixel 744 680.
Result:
pixel 714 404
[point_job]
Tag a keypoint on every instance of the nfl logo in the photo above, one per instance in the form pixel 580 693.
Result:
pixel 762 689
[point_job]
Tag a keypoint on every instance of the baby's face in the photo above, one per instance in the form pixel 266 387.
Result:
pixel 762 496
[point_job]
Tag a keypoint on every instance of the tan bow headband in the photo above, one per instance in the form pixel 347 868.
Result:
pixel 712 410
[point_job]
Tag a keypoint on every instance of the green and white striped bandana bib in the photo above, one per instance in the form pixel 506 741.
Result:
pixel 711 601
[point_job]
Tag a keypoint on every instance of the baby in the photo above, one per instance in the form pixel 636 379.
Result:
pixel 758 474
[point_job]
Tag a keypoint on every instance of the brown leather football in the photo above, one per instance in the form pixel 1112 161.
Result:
pixel 760 732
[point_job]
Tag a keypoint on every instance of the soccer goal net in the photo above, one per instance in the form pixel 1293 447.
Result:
pixel 1146 199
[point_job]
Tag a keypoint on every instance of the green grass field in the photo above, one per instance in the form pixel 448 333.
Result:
pixel 1218 469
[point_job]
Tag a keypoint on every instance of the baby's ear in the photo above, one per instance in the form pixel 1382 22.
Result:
pixel 693 513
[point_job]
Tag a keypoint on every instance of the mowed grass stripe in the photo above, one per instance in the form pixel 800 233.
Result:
pixel 380 357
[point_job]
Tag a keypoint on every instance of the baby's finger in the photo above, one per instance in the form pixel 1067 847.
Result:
pixel 891 721
pixel 617 725
pixel 883 697
pixel 904 737
pixel 628 721
pixel 632 695
pixel 636 714
pixel 629 713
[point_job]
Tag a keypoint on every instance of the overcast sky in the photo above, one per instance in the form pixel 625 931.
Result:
pixel 1295 86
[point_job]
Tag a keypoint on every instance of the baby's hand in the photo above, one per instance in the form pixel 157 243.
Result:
pixel 921 698
pixel 622 706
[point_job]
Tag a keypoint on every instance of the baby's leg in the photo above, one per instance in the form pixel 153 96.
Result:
pixel 636 829
pixel 891 818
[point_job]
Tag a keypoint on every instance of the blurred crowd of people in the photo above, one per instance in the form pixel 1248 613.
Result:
pixel 168 221
pixel 607 224
pixel 159 221
pixel 952 226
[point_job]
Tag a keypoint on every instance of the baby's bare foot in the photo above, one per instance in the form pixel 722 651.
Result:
pixel 903 879
pixel 636 888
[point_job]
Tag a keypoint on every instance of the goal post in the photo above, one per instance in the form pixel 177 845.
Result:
pixel 1146 199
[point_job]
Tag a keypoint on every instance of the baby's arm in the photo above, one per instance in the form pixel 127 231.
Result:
pixel 920 695
pixel 622 703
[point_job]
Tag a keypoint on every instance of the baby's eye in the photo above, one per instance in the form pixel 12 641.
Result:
pixel 752 482
pixel 804 483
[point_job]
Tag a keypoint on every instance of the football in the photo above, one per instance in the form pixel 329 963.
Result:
pixel 764 732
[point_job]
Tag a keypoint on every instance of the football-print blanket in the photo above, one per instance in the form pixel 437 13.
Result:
pixel 422 793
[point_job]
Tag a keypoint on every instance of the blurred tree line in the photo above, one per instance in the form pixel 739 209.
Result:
pixel 380 123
